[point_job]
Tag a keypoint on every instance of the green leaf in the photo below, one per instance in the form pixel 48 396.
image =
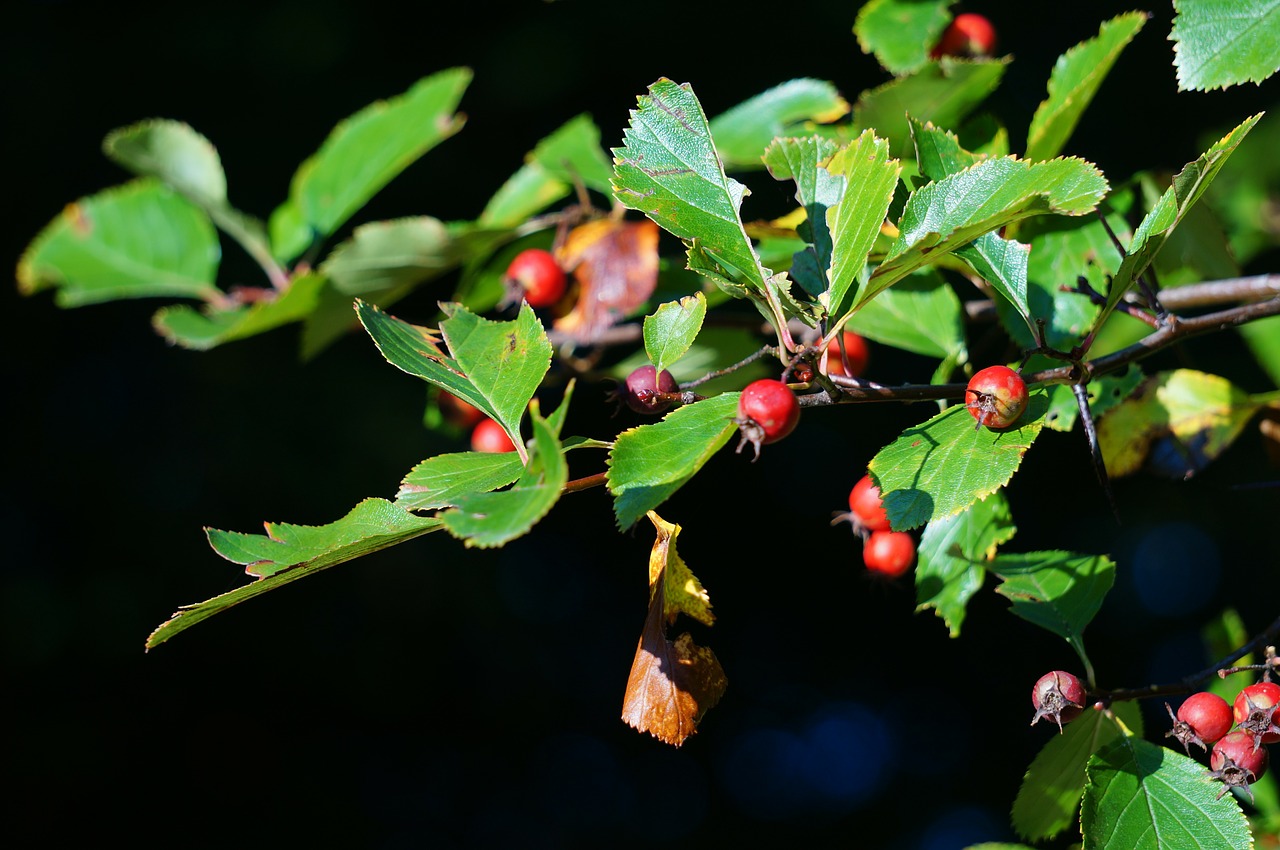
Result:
pixel 440 481
pixel 870 178
pixel 201 330
pixel 947 214
pixel 650 463
pixel 1058 591
pixel 1074 81
pixel 1145 797
pixel 1104 392
pixel 672 328
pixel 493 519
pixel 943 92
pixel 175 154
pixel 743 132
pixel 952 556
pixel 817 190
pixel 921 313
pixel 1218 44
pixel 1187 187
pixel 668 169
pixel 366 151
pixel 942 466
pixel 1222 636
pixel 1263 339
pixel 1050 792
pixel 939 153
pixel 900 33
pixel 390 255
pixel 290 552
pixel 139 240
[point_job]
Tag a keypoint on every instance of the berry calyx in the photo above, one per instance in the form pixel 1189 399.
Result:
pixel 866 509
pixel 649 391
pixel 849 349
pixel 889 553
pixel 996 396
pixel 968 34
pixel 1202 718
pixel 767 412
pixel 489 436
pixel 1057 695
pixel 1236 762
pixel 538 276
pixel 1255 710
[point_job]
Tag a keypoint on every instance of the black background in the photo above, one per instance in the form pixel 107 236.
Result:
pixel 435 696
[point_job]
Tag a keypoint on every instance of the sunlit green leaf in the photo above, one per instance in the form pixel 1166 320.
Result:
pixel 817 190
pixel 743 132
pixel 438 482
pixel 952 555
pixel 870 178
pixel 201 330
pixel 672 328
pixel 921 313
pixel 1058 591
pixel 900 33
pixel 1219 44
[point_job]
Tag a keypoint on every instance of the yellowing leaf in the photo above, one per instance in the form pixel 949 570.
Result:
pixel 683 592
pixel 615 264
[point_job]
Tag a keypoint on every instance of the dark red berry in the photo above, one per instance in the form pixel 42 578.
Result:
pixel 1057 695
pixel 968 34
pixel 539 276
pixel 1255 711
pixel 643 387
pixel 767 412
pixel 854 352
pixel 1237 762
pixel 889 553
pixel 489 436
pixel 1202 718
pixel 996 396
pixel 865 506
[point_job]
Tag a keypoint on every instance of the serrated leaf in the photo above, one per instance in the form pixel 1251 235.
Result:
pixel 900 33
pixel 921 313
pixel 290 552
pixel 201 330
pixel 817 190
pixel 438 482
pixel 388 255
pixel 743 132
pixel 365 152
pixel 1058 591
pixel 1075 80
pixel 1218 44
pixel 139 240
pixel 952 554
pixel 672 328
pixel 650 463
pixel 1145 797
pixel 870 178
pixel 668 169
pixel 682 592
pixel 1054 783
pixel 940 467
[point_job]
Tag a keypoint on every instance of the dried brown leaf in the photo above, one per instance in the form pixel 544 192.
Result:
pixel 615 264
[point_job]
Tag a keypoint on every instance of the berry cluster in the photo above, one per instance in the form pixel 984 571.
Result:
pixel 885 552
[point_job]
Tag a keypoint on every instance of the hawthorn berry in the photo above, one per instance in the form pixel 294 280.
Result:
pixel 489 436
pixel 643 387
pixel 889 553
pixel 538 276
pixel 1202 718
pixel 1058 695
pixel 767 412
pixel 1237 762
pixel 855 351
pixel 458 412
pixel 996 396
pixel 866 509
pixel 1255 711
pixel 968 34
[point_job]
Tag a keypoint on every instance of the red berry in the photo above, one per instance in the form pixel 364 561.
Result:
pixel 890 553
pixel 767 412
pixel 969 34
pixel 866 507
pixel 1255 711
pixel 489 436
pixel 1237 762
pixel 539 276
pixel 1057 695
pixel 855 351
pixel 642 387
pixel 456 411
pixel 1202 718
pixel 996 396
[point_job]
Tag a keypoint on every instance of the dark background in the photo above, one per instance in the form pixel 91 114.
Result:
pixel 435 696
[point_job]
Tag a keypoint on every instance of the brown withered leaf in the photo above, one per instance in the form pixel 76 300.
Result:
pixel 615 264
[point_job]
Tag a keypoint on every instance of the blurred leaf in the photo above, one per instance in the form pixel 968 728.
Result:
pixel 1145 797
pixel 870 178
pixel 438 482
pixel 139 240
pixel 669 170
pixel 1075 80
pixel 651 462
pixel 1246 193
pixel 1176 423
pixel 1050 792
pixel 920 313
pixel 817 190
pixel 1104 393
pixel 615 264
pixel 389 255
pixel 290 552
pixel 742 133
pixel 900 33
pixel 672 328
pixel 1263 339
pixel 1222 637
pixel 201 330
pixel 174 153
pixel 942 466
pixel 1217 44
pixel 362 154
pixel 524 194
pixel 1058 591
pixel 952 555
pixel 1196 250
